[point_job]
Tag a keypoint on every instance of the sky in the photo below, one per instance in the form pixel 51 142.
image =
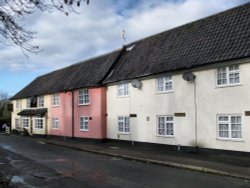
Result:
pixel 96 30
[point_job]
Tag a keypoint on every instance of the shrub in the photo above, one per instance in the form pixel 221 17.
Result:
pixel 14 131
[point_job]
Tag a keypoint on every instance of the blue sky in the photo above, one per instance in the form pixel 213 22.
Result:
pixel 96 30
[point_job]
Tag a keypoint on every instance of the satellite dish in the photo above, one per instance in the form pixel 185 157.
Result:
pixel 188 76
pixel 136 83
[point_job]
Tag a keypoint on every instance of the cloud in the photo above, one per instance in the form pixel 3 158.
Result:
pixel 66 40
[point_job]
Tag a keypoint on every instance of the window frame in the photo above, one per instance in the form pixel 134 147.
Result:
pixel 55 100
pixel 165 128
pixel 164 82
pixel 124 127
pixel 228 72
pixel 26 118
pixel 39 119
pixel 40 101
pixel 230 130
pixel 28 103
pixel 123 90
pixel 85 126
pixel 19 124
pixel 84 98
pixel 18 104
pixel 55 120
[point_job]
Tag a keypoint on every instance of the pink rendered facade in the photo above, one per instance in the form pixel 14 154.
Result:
pixel 95 111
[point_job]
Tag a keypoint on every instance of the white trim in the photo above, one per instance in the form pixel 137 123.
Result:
pixel 40 101
pixel 157 91
pixel 52 123
pixel 123 133
pixel 28 101
pixel 18 104
pixel 157 126
pixel 16 123
pixel 85 119
pixel 229 138
pixel 26 118
pixel 58 100
pixel 86 104
pixel 228 84
pixel 123 124
pixel 34 123
pixel 123 90
pixel 84 98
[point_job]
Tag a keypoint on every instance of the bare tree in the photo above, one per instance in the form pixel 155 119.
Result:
pixel 3 96
pixel 14 12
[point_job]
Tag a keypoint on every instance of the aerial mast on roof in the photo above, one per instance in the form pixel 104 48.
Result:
pixel 123 36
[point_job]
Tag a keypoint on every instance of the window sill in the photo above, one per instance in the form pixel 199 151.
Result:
pixel 87 104
pixel 123 133
pixel 164 92
pixel 230 139
pixel 55 106
pixel 166 136
pixel 227 85
pixel 83 130
pixel 123 96
pixel 55 129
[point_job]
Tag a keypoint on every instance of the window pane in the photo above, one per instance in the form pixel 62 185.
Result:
pixel 160 84
pixel 123 124
pixel 123 89
pixel 166 125
pixel 55 100
pixel 168 78
pixel 228 75
pixel 161 131
pixel 28 102
pixel 236 127
pixel 234 78
pixel 168 86
pixel 223 118
pixel 169 118
pixel 221 76
pixel 164 83
pixel 233 67
pixel 221 70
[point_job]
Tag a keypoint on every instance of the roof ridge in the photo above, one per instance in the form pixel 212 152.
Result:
pixel 80 62
pixel 189 23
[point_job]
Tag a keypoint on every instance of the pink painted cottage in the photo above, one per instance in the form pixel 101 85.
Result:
pixel 74 100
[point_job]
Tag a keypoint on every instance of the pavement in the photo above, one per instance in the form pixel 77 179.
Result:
pixel 219 164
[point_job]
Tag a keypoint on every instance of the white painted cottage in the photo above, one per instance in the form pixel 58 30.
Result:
pixel 188 86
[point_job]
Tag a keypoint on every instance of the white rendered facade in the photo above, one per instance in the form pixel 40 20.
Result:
pixel 202 113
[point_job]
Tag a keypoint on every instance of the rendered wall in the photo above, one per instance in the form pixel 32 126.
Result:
pixel 211 101
pixel 22 107
pixel 96 111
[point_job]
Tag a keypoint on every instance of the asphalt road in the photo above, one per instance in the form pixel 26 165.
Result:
pixel 44 165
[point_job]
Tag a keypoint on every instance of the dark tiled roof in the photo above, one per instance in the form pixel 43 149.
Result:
pixel 221 37
pixel 85 74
